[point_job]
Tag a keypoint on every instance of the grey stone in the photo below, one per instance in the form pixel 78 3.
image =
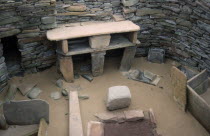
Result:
pixel 64 92
pixel 100 41
pixel 156 55
pixel 55 95
pixel 34 93
pixel 48 20
pixel 148 11
pixel 129 2
pixel 59 83
pixel 118 97
pixel 97 60
pixel 26 112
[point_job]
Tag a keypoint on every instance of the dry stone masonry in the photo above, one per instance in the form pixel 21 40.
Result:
pixel 181 27
pixel 29 20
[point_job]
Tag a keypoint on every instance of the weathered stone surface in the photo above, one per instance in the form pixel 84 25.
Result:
pixel 118 97
pixel 76 8
pixel 48 20
pixel 148 11
pixel 134 115
pixel 179 82
pixel 100 41
pixel 26 87
pixel 97 60
pixel 95 129
pixel 9 33
pixel 129 2
pixel 34 93
pixel 127 59
pixel 156 55
pixel 26 112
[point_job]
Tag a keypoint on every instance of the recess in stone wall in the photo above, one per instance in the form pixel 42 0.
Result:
pixel 12 55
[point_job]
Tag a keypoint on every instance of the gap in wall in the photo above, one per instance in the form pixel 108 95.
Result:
pixel 12 55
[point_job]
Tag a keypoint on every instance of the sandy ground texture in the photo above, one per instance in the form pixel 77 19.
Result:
pixel 171 121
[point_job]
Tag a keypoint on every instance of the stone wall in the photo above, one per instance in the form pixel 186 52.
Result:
pixel 29 20
pixel 181 27
pixel 3 69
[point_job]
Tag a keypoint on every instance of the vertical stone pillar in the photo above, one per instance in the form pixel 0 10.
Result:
pixel 98 63
pixel 127 58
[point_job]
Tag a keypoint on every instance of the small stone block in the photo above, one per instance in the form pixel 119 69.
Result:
pixel 118 97
pixel 100 41
pixel 134 115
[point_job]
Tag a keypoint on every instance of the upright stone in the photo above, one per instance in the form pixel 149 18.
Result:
pixel 179 84
pixel 98 63
pixel 66 68
pixel 26 112
pixel 118 97
pixel 127 59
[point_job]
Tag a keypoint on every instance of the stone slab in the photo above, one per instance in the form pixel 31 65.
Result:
pixel 118 97
pixel 127 59
pixel 97 60
pixel 99 41
pixel 156 55
pixel 26 87
pixel 129 3
pixel 75 121
pixel 66 68
pixel 134 115
pixel 91 30
pixel 26 112
pixel 42 128
pixel 95 129
pixel 116 43
pixel 179 84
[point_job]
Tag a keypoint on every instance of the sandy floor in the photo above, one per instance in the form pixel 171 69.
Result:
pixel 170 119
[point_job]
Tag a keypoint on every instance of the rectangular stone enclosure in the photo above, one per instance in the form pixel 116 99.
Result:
pixel 199 98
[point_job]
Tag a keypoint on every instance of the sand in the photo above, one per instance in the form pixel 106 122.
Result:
pixel 171 121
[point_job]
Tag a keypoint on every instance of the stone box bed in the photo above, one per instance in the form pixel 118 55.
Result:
pixel 198 97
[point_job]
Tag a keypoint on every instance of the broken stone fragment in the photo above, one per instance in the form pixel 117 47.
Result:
pixel 134 115
pixel 64 92
pixel 118 97
pixel 34 93
pixel 59 83
pixel 55 95
pixel 83 97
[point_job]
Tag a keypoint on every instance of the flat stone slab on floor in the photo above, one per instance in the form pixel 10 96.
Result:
pixel 26 112
pixel 118 97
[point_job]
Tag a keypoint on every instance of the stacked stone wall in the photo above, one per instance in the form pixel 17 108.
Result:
pixel 29 21
pixel 182 27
